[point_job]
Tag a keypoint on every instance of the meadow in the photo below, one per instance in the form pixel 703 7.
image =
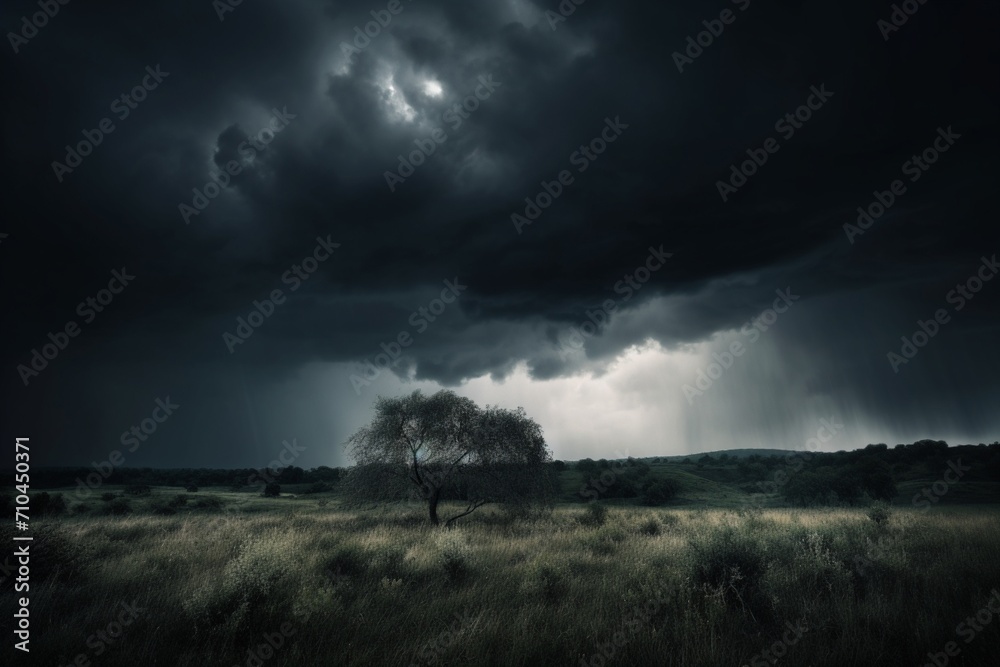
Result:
pixel 226 578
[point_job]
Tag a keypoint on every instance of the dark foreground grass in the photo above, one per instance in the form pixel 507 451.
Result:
pixel 333 586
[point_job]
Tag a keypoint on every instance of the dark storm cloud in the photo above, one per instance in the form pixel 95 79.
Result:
pixel 324 176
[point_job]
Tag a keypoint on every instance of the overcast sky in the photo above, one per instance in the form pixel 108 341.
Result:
pixel 634 130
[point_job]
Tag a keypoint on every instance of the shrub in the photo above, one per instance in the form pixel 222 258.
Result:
pixel 178 501
pixel 658 492
pixel 730 564
pixel 604 541
pixel 138 490
pixel 879 512
pixel 596 515
pixel 453 554
pixel 108 496
pixel 192 489
pixel 650 526
pixel 347 560
pixel 243 594
pixel 669 519
pixel 271 490
pixel 46 504
pixel 547 581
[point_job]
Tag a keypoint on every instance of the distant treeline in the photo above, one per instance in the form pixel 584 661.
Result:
pixel 805 477
pixel 802 477
pixel 184 477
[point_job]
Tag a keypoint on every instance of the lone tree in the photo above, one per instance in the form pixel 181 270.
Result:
pixel 445 447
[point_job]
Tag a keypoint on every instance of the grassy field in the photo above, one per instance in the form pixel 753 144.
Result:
pixel 333 585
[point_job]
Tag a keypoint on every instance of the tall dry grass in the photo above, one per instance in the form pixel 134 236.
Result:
pixel 381 587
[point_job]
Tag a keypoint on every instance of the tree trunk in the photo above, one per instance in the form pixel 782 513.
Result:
pixel 432 506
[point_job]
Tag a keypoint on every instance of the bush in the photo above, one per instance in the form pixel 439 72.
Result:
pixel 347 560
pixel 650 526
pixel 730 564
pixel 138 490
pixel 453 554
pixel 604 541
pixel 108 496
pixel 192 489
pixel 658 492
pixel 596 515
pixel 271 490
pixel 879 512
pixel 241 598
pixel 178 501
pixel 669 519
pixel 547 581
pixel 46 504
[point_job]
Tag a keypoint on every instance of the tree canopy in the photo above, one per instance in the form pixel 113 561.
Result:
pixel 445 447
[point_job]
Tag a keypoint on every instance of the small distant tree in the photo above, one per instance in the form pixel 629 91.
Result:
pixel 443 447
pixel 271 490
